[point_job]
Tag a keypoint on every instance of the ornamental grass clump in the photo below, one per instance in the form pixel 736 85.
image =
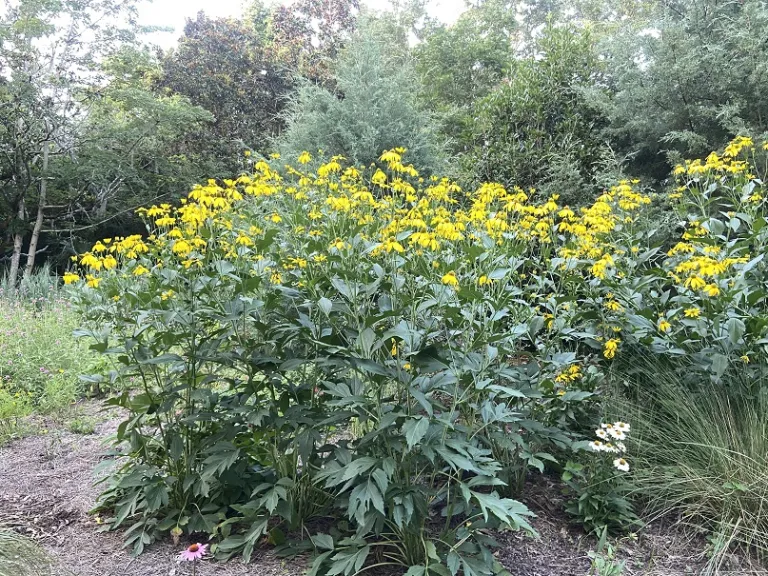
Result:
pixel 20 556
pixel 701 456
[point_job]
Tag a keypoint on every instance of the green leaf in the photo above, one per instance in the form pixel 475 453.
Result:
pixel 224 456
pixel 454 562
pixel 162 359
pixel 719 364
pixel 736 329
pixel 317 564
pixel 415 429
pixel 323 541
pixel 357 467
pixel 325 305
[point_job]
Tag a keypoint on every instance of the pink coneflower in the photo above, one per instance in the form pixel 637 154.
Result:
pixel 194 552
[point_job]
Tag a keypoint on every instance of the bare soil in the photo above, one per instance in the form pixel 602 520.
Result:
pixel 46 490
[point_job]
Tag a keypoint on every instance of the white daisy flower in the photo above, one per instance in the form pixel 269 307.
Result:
pixel 621 447
pixel 617 434
pixel 621 464
pixel 623 426
pixel 601 434
pixel 597 446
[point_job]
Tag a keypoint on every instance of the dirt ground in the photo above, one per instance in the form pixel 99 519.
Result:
pixel 46 490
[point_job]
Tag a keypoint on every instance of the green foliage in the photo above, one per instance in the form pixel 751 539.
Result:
pixel 701 305
pixel 41 362
pixel 460 64
pixel 20 556
pixel 135 146
pixel 224 66
pixel 41 286
pixel 539 129
pixel 599 495
pixel 258 347
pixel 47 63
pixel 375 109
pixel 603 558
pixel 306 36
pixel 688 81
pixel 81 425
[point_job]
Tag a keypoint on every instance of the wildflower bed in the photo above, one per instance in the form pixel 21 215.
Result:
pixel 396 353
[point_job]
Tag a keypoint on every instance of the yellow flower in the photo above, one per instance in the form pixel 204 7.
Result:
pixel 394 347
pixel 91 261
pixel 276 218
pixel 92 281
pixel 339 244
pixel 450 279
pixel 276 278
pixel 182 248
pixel 165 221
pixel 320 258
pixel 745 359
pixel 695 283
pixel 484 280
pixel 711 290
pixel 243 240
pixel 70 277
pixel 692 312
pixel 392 245
pixel 611 347
pixel 109 262
pixel 140 270
pixel 167 294
pixel 305 158
pixel 664 326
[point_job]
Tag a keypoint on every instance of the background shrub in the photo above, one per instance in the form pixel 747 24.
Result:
pixel 373 108
pixel 539 129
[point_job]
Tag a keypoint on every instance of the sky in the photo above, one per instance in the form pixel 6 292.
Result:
pixel 173 13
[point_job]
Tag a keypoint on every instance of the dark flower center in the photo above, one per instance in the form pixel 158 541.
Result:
pixel 194 548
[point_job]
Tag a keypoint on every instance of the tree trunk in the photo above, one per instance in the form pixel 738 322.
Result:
pixel 39 220
pixel 101 211
pixel 18 239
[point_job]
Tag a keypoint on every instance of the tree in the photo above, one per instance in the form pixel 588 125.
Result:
pixel 376 108
pixel 49 51
pixel 599 15
pixel 134 147
pixel 462 63
pixel 690 82
pixel 307 36
pixel 539 128
pixel 223 66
